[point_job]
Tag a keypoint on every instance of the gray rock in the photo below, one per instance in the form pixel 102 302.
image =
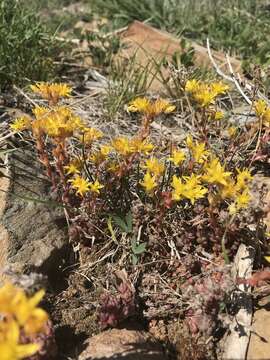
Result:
pixel 123 344
pixel 37 232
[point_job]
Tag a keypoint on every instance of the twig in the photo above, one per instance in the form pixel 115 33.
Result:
pixel 218 70
pixel 25 95
pixel 6 136
pixel 236 81
pixel 116 32
pixel 81 100
pixel 231 78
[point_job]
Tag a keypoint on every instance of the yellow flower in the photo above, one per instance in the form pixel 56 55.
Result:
pixel 193 189
pixel 154 166
pixel 151 109
pixel 40 111
pixel 179 188
pixel 189 141
pixel 218 88
pixel 10 349
pixel 204 97
pixel 81 185
pixel 122 146
pixel 243 177
pixel 232 130
pixel 27 313
pixel 99 156
pixel 162 106
pixel 262 111
pixel 218 115
pixel 141 146
pixel 243 199
pixel 90 135
pixel 140 104
pixel 241 202
pixel 229 190
pixel 13 301
pixel 266 117
pixel 52 92
pixel 149 182
pixel 105 150
pixel 199 152
pixel 177 157
pixel 204 93
pixel 96 186
pixel 21 124
pixel 58 123
pixel 260 107
pixel 215 173
pixel 192 85
pixel 71 169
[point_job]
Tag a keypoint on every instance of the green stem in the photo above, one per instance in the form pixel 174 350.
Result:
pixel 223 241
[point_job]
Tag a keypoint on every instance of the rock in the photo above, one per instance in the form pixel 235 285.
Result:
pixel 149 43
pixel 37 233
pixel 259 345
pixel 123 345
pixel 4 184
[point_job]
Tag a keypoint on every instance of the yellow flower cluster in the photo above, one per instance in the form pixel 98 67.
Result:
pixel 83 186
pixel 74 167
pixel 228 188
pixel 51 92
pixel 59 122
pixel 190 172
pixel 263 112
pixel 21 124
pixel 177 157
pixel 154 166
pixel 125 146
pixel 190 189
pixel 198 150
pixel 205 95
pixel 99 156
pixel 121 146
pixel 149 182
pixel 151 108
pixel 19 313
pixel 90 135
pixel 215 173
pixel 237 190
pixel 210 177
pixel 155 170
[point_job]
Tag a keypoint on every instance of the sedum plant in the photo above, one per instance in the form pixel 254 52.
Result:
pixel 148 197
pixel 96 178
